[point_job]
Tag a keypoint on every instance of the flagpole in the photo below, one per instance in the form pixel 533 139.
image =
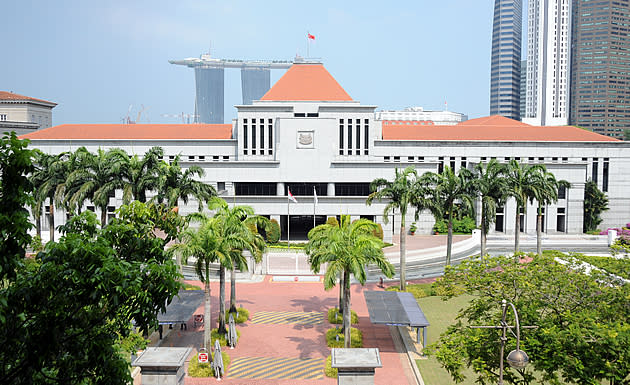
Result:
pixel 308 44
pixel 314 204
pixel 288 221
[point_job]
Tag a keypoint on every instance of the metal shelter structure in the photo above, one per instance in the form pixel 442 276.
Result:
pixel 398 309
pixel 181 309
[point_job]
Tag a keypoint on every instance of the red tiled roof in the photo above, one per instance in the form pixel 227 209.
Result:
pixel 310 82
pixel 133 132
pixel 493 128
pixel 4 95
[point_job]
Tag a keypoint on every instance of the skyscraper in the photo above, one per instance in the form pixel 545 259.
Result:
pixel 600 66
pixel 505 70
pixel 548 39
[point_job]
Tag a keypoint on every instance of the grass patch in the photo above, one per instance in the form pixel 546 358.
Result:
pixel 188 286
pixel 419 290
pixel 334 317
pixel 197 369
pixel 214 334
pixel 356 338
pixel 242 315
pixel 329 371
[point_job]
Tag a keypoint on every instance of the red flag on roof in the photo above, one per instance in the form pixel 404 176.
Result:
pixel 312 37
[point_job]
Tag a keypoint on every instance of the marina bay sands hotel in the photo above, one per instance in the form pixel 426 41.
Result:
pixel 210 79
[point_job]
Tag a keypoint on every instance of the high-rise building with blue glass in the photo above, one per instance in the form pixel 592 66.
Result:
pixel 505 70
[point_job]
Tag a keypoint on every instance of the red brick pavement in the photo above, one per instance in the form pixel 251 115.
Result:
pixel 295 340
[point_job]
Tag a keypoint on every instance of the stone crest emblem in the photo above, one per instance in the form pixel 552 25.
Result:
pixel 305 139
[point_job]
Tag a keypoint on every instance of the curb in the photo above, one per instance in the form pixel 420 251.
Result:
pixel 411 350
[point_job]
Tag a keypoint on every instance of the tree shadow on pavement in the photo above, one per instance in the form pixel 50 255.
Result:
pixel 311 348
pixel 314 303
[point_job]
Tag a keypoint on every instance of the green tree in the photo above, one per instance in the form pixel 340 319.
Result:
pixel 236 235
pixel 176 183
pixel 63 320
pixel 48 179
pixel 448 189
pixel 204 243
pixel 96 178
pixel 491 186
pixel 522 188
pixel 545 193
pixel 347 249
pixel 582 334
pixel 595 203
pixel 142 174
pixel 399 193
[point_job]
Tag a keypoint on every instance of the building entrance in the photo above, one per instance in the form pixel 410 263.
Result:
pixel 300 226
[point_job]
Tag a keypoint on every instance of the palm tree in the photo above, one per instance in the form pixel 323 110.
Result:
pixel 142 174
pixel 175 184
pixel 206 245
pixel 48 178
pixel 449 188
pixel 545 193
pixel 491 186
pixel 400 192
pixel 236 236
pixel 347 249
pixel 521 187
pixel 96 179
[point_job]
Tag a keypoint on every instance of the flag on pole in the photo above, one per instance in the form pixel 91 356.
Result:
pixel 291 197
pixel 315 195
pixel 311 37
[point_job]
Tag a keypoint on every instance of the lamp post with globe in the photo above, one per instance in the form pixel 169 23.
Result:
pixel 517 358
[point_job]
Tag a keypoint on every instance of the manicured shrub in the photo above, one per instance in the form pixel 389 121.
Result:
pixel 329 371
pixel 197 369
pixel 334 317
pixel 214 334
pixel 465 225
pixel 188 286
pixel 273 231
pixel 332 221
pixel 418 290
pixel 356 338
pixel 239 318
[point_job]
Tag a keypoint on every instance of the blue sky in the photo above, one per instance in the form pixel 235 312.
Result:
pixel 95 59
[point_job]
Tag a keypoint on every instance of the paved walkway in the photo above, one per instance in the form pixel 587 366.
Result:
pixel 288 343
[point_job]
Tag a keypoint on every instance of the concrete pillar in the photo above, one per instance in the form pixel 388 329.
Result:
pixel 162 366
pixel 280 189
pixel 356 366
pixel 331 190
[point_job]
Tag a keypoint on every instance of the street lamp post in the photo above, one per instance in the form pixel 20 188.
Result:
pixel 516 358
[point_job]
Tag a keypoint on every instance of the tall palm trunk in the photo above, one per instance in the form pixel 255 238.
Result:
pixel 207 325
pixel 103 216
pixel 346 309
pixel 403 255
pixel 517 229
pixel 38 224
pixel 51 220
pixel 539 232
pixel 483 230
pixel 222 328
pixel 449 238
pixel 233 290
pixel 341 290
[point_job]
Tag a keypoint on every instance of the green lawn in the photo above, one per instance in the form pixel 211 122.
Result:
pixel 440 315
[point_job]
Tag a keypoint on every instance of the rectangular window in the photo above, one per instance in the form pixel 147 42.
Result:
pixel 605 176
pixel 253 136
pixel 220 186
pixel 3 117
pixel 191 158
pixel 396 159
pixel 358 139
pixel 410 159
pixel 245 137
pixel 340 136
pixel 562 192
pixel 306 188
pixel 352 189
pixel 202 158
pixel 349 136
pixel 226 157
pixel 262 136
pixel 464 163
pixel 453 163
pixel 595 170
pixel 299 115
pixel 215 158
pixel 366 137
pixel 270 143
pixel 312 115
pixel 440 164
pixel 255 188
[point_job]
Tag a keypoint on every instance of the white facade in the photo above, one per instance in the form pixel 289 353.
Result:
pixel 339 148
pixel 442 118
pixel 548 62
pixel 24 114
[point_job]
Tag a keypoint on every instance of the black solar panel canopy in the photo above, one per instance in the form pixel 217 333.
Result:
pixel 394 308
pixel 182 307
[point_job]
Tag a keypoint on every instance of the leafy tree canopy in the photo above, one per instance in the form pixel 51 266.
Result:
pixel 595 203
pixel 583 333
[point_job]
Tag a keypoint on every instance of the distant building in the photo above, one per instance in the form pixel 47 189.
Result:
pixel 24 114
pixel 505 68
pixel 523 88
pixel 422 116
pixel 600 64
pixel 548 41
